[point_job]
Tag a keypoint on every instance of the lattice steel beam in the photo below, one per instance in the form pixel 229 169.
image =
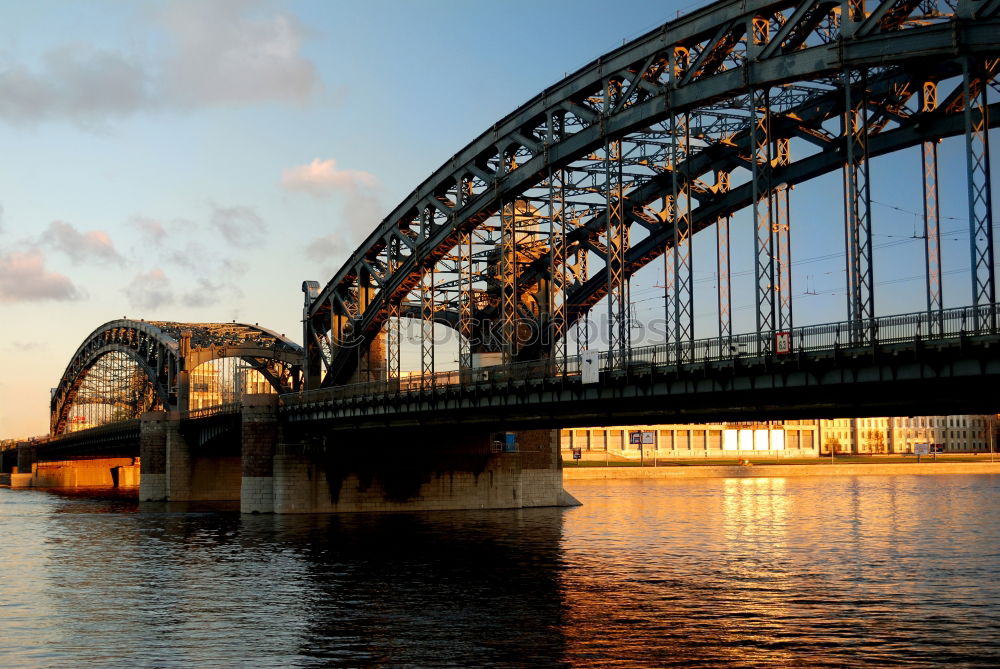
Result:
pixel 426 323
pixel 760 163
pixel 682 274
pixel 857 207
pixel 465 301
pixel 723 265
pixel 617 242
pixel 977 151
pixel 782 241
pixel 557 266
pixel 508 282
pixel 932 215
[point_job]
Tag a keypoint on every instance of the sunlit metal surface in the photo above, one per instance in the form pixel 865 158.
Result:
pixel 554 208
pixel 126 367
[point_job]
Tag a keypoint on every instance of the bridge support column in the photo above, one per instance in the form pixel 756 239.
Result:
pixel 178 460
pixel 260 436
pixel 26 457
pixel 417 470
pixel 153 456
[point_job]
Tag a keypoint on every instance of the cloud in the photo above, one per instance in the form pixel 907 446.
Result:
pixel 241 226
pixel 332 246
pixel 149 291
pixel 361 211
pixel 78 82
pixel 321 178
pixel 23 278
pixel 150 228
pixel 218 54
pixel 207 293
pixel 228 54
pixel 80 247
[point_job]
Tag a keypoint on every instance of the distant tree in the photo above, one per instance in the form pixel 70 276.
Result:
pixel 876 441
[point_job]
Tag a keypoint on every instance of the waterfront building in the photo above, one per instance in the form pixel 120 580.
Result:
pixel 957 434
pixel 782 439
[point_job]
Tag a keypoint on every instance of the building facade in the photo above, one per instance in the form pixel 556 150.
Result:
pixel 782 439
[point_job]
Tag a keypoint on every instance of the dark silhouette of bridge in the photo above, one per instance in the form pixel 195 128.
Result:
pixel 545 217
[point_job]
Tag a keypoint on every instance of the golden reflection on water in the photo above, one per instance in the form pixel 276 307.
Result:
pixel 777 572
pixel 826 572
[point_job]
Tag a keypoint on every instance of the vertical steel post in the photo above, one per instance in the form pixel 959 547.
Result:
pixel 618 242
pixel 557 268
pixel 669 279
pixel 763 214
pixel 782 242
pixel 465 301
pixel 723 267
pixel 683 288
pixel 582 323
pixel 977 152
pixel 858 208
pixel 426 325
pixel 932 217
pixel 393 338
pixel 508 281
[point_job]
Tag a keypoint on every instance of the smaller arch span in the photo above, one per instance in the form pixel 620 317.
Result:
pixel 165 352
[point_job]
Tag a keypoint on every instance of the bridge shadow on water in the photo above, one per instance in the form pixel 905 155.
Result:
pixel 204 583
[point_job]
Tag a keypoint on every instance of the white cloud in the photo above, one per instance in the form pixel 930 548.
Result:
pixel 226 52
pixel 329 247
pixel 241 226
pixel 77 82
pixel 150 291
pixel 80 247
pixel 23 278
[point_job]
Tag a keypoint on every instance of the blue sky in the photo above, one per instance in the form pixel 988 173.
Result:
pixel 196 161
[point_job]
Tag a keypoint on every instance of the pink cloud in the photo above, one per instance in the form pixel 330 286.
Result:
pixel 321 178
pixel 150 290
pixel 95 245
pixel 23 278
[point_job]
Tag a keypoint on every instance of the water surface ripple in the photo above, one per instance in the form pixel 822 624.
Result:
pixel 820 572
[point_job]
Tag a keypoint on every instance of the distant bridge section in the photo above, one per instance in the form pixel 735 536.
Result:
pixel 125 368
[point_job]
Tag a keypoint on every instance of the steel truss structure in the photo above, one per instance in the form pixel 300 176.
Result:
pixel 127 367
pixel 517 237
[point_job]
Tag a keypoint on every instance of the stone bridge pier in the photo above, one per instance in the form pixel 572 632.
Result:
pixel 270 468
pixel 426 469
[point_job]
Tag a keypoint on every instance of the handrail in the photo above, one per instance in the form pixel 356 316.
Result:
pixel 844 335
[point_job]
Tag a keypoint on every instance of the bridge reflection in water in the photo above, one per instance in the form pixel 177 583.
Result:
pixel 819 572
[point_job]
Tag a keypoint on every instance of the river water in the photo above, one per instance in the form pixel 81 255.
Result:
pixel 838 571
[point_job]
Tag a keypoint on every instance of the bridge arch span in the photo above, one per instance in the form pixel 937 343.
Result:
pixel 626 159
pixel 163 354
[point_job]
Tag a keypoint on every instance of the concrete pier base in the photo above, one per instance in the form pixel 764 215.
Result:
pixel 260 436
pixel 444 470
pixel 153 456
pixel 173 470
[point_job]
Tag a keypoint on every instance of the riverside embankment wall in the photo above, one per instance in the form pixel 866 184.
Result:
pixel 571 473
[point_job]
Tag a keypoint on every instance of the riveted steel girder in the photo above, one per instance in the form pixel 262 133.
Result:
pixel 794 50
pixel 163 350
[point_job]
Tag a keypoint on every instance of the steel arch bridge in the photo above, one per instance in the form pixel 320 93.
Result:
pixel 164 354
pixel 554 207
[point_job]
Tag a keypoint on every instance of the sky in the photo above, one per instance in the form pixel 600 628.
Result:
pixel 196 161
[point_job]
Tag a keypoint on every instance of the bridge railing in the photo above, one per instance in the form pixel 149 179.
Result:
pixel 902 328
pixel 205 412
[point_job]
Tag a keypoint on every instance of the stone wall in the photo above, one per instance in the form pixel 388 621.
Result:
pixel 445 469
